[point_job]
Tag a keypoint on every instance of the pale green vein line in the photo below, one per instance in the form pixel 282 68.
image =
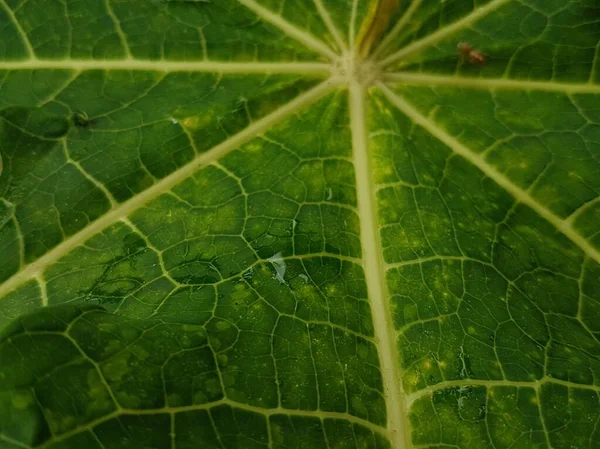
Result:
pixel 118 28
pixel 13 442
pixel 491 172
pixel 89 177
pixel 164 185
pixel 389 266
pixel 26 42
pixel 170 66
pixel 582 209
pixel 397 28
pixel 19 239
pixel 580 281
pixel 444 32
pixel 419 79
pixel 43 291
pixel 330 25
pixel 59 89
pixel 374 271
pixel 592 77
pixel 541 415
pixel 322 415
pixel 69 25
pixel 309 256
pixel 149 245
pixel 352 31
pixel 534 384
pixel 173 433
pixel 291 30
pixel 216 431
pixel 332 326
pixel 96 366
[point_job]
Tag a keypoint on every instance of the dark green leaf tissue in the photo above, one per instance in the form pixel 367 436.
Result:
pixel 299 224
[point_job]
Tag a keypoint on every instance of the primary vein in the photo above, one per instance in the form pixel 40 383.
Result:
pixel 330 25
pixel 490 171
pixel 168 66
pixel 400 25
pixel 162 186
pixel 440 34
pixel 300 35
pixel 374 271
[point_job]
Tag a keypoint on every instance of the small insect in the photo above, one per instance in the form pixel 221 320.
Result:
pixel 81 119
pixel 468 53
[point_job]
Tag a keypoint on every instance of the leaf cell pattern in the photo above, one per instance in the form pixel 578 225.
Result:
pixel 220 228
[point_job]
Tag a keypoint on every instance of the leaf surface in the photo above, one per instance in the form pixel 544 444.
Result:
pixel 223 225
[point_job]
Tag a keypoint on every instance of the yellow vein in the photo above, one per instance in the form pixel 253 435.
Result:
pixel 20 30
pixel 490 171
pixel 330 25
pixel 164 185
pixel 446 31
pixel 118 28
pixel 169 66
pixel 419 79
pixel 291 30
pixel 400 25
pixel 535 384
pixel 374 271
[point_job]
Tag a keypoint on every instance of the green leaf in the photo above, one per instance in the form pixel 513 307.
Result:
pixel 299 224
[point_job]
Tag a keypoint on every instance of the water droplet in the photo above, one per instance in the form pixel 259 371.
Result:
pixel 279 265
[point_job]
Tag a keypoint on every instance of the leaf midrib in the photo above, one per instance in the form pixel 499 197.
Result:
pixel 375 273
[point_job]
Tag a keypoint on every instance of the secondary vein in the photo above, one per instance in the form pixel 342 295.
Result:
pixel 293 31
pixel 162 186
pixel 491 172
pixel 19 28
pixel 168 66
pixel 441 33
pixel 420 79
